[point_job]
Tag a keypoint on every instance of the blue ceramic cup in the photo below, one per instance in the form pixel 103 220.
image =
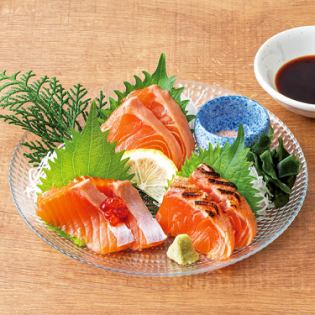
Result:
pixel 226 113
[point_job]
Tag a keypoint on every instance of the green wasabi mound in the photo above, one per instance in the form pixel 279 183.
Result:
pixel 182 251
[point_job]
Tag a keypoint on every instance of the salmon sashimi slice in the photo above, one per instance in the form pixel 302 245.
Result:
pixel 133 126
pixel 145 229
pixel 187 209
pixel 169 113
pixel 77 210
pixel 231 201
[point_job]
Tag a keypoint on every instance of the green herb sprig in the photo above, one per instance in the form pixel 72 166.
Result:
pixel 45 108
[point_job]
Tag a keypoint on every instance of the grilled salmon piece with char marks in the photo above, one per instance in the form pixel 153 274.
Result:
pixel 188 209
pixel 231 201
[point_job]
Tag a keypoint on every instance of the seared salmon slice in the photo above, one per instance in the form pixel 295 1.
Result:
pixel 231 201
pixel 188 209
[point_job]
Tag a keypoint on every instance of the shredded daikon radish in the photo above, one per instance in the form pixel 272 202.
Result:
pixel 263 192
pixel 35 175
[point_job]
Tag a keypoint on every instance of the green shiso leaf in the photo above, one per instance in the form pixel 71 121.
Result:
pixel 88 153
pixel 160 78
pixel 231 163
pixel 77 241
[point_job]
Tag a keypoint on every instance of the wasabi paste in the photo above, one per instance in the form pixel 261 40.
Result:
pixel 182 251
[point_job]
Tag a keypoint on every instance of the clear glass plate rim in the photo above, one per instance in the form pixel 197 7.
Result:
pixel 170 274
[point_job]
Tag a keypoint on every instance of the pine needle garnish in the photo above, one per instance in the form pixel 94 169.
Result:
pixel 45 108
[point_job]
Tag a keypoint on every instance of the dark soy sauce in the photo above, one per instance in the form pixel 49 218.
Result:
pixel 296 79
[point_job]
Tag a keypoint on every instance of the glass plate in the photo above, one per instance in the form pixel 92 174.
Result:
pixel 153 262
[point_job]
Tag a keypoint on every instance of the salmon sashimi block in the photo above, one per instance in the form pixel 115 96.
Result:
pixel 133 126
pixel 231 201
pixel 92 210
pixel 170 114
pixel 187 209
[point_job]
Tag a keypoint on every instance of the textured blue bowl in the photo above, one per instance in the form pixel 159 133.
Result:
pixel 227 113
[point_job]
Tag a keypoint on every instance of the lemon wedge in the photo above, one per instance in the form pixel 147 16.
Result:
pixel 152 170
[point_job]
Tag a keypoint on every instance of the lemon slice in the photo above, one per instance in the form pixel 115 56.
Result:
pixel 152 170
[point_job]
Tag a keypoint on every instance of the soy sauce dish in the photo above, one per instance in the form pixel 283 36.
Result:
pixel 218 120
pixel 284 67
